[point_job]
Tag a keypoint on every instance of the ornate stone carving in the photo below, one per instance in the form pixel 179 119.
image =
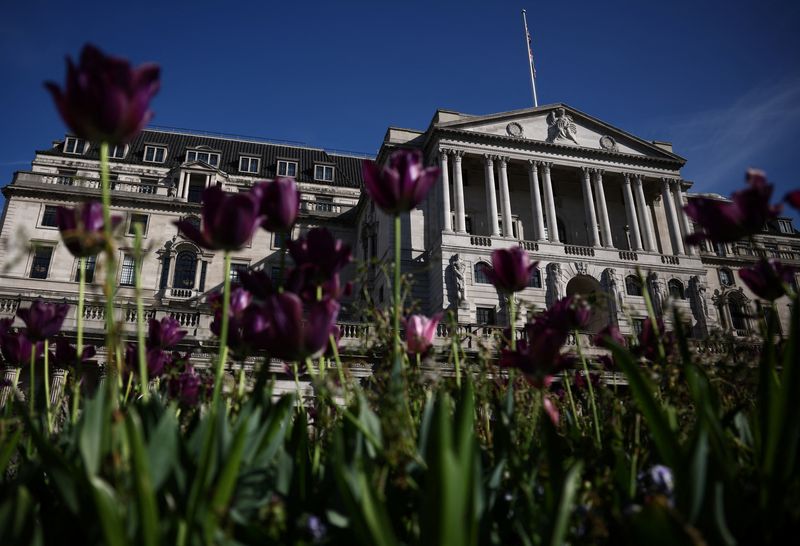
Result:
pixel 611 285
pixel 561 127
pixel 553 291
pixel 608 143
pixel 581 268
pixel 514 129
pixel 657 295
pixel 458 278
pixel 698 300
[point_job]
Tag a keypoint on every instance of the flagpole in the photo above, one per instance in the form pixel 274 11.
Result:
pixel 530 59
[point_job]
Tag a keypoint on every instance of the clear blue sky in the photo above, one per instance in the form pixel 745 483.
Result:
pixel 720 79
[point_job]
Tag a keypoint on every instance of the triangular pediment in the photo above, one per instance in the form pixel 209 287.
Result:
pixel 557 124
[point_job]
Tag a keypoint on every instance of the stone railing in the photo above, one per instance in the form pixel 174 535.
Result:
pixel 352 330
pixel 479 240
pixel 126 186
pixel 321 206
pixel 181 293
pixel 628 255
pixel 94 312
pixel 531 246
pixel 186 319
pixel 670 260
pixel 575 250
pixel 8 306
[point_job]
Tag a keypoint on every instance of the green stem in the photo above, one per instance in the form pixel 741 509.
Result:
pixel 32 378
pixel 111 270
pixel 512 321
pixel 297 385
pixel 571 400
pixel 223 335
pixel 240 389
pixel 76 387
pixel 592 402
pixel 635 457
pixel 47 386
pixel 397 304
pixel 338 361
pixel 143 375
pixel 456 359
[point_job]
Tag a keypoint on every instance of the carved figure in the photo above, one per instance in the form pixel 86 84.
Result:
pixel 459 271
pixel 656 295
pixel 561 126
pixel 553 279
pixel 614 294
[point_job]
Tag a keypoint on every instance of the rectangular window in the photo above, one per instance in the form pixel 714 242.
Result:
pixel 197 183
pixel 155 154
pixel 324 204
pixel 323 173
pixel 287 168
pixel 148 186
pixel 74 145
pixel 249 164
pixel 117 151
pixel 275 274
pixel 40 267
pixel 206 157
pixel 91 261
pixel 785 226
pixel 485 316
pixel 278 239
pixel 236 270
pixel 638 326
pixel 127 275
pixel 49 216
pixel 138 219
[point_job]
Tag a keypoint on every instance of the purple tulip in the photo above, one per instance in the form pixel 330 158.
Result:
pixel 402 185
pixel 157 360
pixel 16 348
pixel 279 203
pixel 104 99
pixel 292 338
pixel 320 251
pixel 580 380
pixel 229 220
pixel 66 355
pixel 566 314
pixel 551 409
pixel 247 324
pixel 793 198
pixel 164 334
pixel 186 386
pixel 744 215
pixel 82 228
pixel 420 331
pixel 609 334
pixel 538 355
pixel 258 284
pixel 648 341
pixel 511 269
pixel 767 278
pixel 43 320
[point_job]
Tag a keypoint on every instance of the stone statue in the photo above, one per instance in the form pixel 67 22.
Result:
pixel 699 305
pixel 459 277
pixel 614 294
pixel 656 295
pixel 553 280
pixel 561 126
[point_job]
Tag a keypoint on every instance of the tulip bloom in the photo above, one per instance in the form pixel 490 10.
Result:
pixel 290 336
pixel 164 334
pixel 767 278
pixel 538 355
pixel 566 314
pixel 82 228
pixel 279 203
pixel 43 320
pixel 724 221
pixel 186 386
pixel 156 359
pixel 402 185
pixel 321 251
pixel 511 269
pixel 229 220
pixel 648 341
pixel 609 334
pixel 793 198
pixel 16 348
pixel 420 331
pixel 104 99
pixel 66 355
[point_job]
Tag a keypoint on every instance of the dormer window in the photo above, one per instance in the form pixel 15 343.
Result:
pixel 118 151
pixel 209 158
pixel 249 164
pixel 155 154
pixel 323 173
pixel 785 226
pixel 74 145
pixel 287 168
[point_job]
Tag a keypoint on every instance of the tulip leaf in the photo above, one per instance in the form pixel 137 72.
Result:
pixel 93 432
pixel 7 450
pixel 145 494
pixel 162 449
pixel 108 512
pixel 565 504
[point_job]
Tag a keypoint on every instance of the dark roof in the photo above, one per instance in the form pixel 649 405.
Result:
pixel 347 168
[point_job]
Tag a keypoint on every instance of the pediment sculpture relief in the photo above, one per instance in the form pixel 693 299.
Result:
pixel 561 127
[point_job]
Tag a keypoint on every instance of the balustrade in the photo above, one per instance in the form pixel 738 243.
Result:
pixel 477 240
pixel 575 250
pixel 628 255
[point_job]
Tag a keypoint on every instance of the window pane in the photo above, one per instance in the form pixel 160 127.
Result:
pixel 214 160
pixel 89 268
pixel 244 164
pixel 41 262
pixel 49 217
pixel 185 270
pixel 480 273
pixel 160 155
pixel 191 156
pixel 236 271
pixel 292 169
pixel 148 153
pixel 138 219
pixel 127 274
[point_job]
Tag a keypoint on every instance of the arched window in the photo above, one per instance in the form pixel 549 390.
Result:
pixel 185 270
pixel 676 291
pixel 480 273
pixel 738 316
pixel 633 286
pixel 726 277
pixel 535 280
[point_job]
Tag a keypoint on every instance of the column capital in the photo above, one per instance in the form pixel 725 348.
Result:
pixel 546 165
pixel 488 158
pixel 627 177
pixel 457 155
pixel 533 165
pixel 444 152
pixel 503 159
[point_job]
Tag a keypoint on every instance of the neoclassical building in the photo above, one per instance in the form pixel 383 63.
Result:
pixel 594 205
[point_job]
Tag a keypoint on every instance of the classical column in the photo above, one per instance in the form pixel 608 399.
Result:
pixel 588 208
pixel 491 196
pixel 57 382
pixel 550 205
pixel 458 187
pixel 10 376
pixel 683 220
pixel 505 197
pixel 602 208
pixel 448 220
pixel 645 219
pixel 536 200
pixel 630 211
pixel 672 217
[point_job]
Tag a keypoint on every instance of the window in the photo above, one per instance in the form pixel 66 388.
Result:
pixel 127 276
pixel 148 186
pixel 206 157
pixel 155 154
pixel 275 274
pixel 41 262
pixel 468 224
pixel 738 317
pixel 785 226
pixel 74 145
pixel 771 319
pixel 638 326
pixel 485 315
pixel 49 216
pixel 323 173
pixel 138 219
pixel 185 270
pixel 633 285
pixel 726 277
pixel 249 164
pixel 236 270
pixel 287 168
pixel 197 183
pixel 117 151
pixel 719 249
pixel 194 220
pixel 91 261
pixel 480 273
pixel 323 203
pixel 535 280
pixel 279 239
pixel 676 291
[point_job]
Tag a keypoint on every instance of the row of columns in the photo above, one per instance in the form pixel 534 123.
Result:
pixel 597 218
